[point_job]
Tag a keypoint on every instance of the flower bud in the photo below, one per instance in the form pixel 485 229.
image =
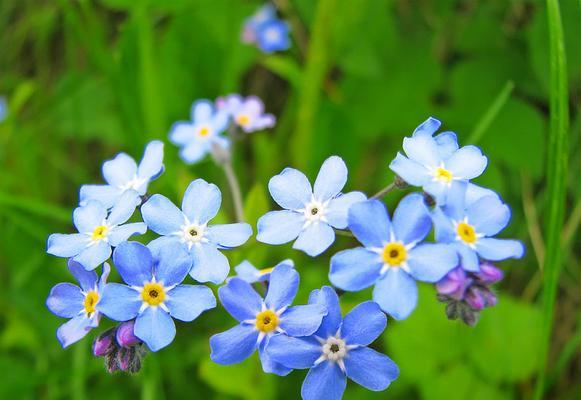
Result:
pixel 104 343
pixel 125 336
pixel 489 298
pixel 111 364
pixel 129 360
pixel 475 299
pixel 489 274
pixel 454 284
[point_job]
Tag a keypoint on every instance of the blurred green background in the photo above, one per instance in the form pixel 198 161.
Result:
pixel 87 79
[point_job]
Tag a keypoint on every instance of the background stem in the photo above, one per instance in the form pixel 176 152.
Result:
pixel 234 189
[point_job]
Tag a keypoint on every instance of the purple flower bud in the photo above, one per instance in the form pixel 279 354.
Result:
pixel 125 336
pixel 454 284
pixel 489 298
pixel 475 299
pixel 104 343
pixel 111 364
pixel 489 274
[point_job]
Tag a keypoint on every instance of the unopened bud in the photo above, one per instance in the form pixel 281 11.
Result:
pixel 475 299
pixel 125 336
pixel 104 343
pixel 489 274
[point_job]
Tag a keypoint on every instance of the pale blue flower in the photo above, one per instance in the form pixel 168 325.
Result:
pixel 251 24
pixel 247 113
pixel 272 36
pixel 249 273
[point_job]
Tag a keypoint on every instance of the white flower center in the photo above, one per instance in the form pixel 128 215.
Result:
pixel 315 211
pixel 193 233
pixel 272 35
pixel 334 349
pixel 442 175
pixel 135 183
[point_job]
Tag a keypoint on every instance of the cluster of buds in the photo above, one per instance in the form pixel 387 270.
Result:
pixel 468 293
pixel 121 349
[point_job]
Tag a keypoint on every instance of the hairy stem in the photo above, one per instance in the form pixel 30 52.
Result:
pixel 234 189
pixel 386 190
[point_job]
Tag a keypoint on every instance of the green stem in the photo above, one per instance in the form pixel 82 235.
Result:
pixel 383 192
pixel 79 372
pixel 235 190
pixel 491 114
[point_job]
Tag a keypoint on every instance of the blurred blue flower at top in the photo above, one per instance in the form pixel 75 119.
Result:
pixel 3 108
pixel 249 273
pixel 98 232
pixel 263 319
pixel 196 138
pixel 154 293
pixel 189 227
pixel 435 162
pixel 247 113
pixel 77 303
pixel 469 220
pixel 251 24
pixel 309 214
pixel 272 36
pixel 393 257
pixel 123 175
pixel 338 350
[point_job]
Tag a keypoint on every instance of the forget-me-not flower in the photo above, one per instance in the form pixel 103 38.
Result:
pixel 249 273
pixel 77 303
pixel 338 350
pixel 197 137
pixel 154 293
pixel 393 257
pixel 262 319
pixel 247 113
pixel 272 36
pixel 189 227
pixel 434 163
pixel 98 232
pixel 308 214
pixel 262 15
pixel 123 175
pixel 469 220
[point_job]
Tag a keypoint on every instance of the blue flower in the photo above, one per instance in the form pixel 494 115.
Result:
pixel 197 137
pixel 154 293
pixel 309 215
pixel 393 257
pixel 189 227
pixel 3 108
pixel 434 163
pixel 338 350
pixel 249 273
pixel 272 36
pixel 469 220
pixel 123 175
pixel 262 15
pixel 77 303
pixel 247 113
pixel 263 319
pixel 98 232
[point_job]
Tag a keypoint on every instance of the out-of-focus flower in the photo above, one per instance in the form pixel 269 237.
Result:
pixel 272 36
pixel 247 113
pixel 249 273
pixel 251 24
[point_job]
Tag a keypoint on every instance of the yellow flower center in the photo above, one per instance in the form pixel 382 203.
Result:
pixel 100 232
pixel 90 301
pixel 266 271
pixel 394 254
pixel 243 120
pixel 204 131
pixel 466 232
pixel 266 321
pixel 153 293
pixel 443 175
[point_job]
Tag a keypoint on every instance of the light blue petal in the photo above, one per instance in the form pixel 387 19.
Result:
pixel 315 239
pixel 124 208
pixel 234 345
pixel 363 324
pixel 423 150
pixel 202 111
pixel 201 201
pixel 475 193
pixel 161 215
pixel 187 302
pixel 220 121
pixel 104 275
pixel 134 263
pixel 65 300
pixel 331 179
pixel 410 171
pixel 278 227
pixel 268 364
pixel 396 293
pixel 121 233
pixel 120 170
pixel 467 163
pixel 229 235
pixel 428 127
pixel 443 226
pixel 74 330
pixel 296 353
pixel 290 189
pixel 87 218
pixel 119 302
pixel 499 249
pixel 438 190
pixel 468 257
pixel 284 283
pixel 455 206
pixel 156 246
pixel 302 320
pixel 87 279
pixel 172 263
pixel 182 133
pixel 325 381
pixel 327 297
pixel 240 299
pixel 489 215
pixel 338 208
pixel 431 262
pixel 248 272
pixel 370 369
pixel 370 223
pixel 209 265
pixel 194 151
pixel 105 194
pixel 93 256
pixel 152 162
pixel 155 327
pixel 355 269
pixel 447 144
pixel 411 219
pixel 67 245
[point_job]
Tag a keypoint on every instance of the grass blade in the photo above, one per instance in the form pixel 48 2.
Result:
pixel 490 114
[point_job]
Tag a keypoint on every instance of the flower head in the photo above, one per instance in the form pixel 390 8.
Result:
pixel 77 303
pixel 272 36
pixel 197 136
pixel 262 15
pixel 154 293
pixel 249 273
pixel 123 175
pixel 309 215
pixel 393 256
pixel 262 319
pixel 98 232
pixel 247 113
pixel 338 350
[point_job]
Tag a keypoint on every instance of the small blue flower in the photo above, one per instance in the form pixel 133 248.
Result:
pixel 154 293
pixel 262 15
pixel 469 220
pixel 434 163
pixel 263 319
pixel 309 215
pixel 338 350
pixel 3 108
pixel 189 227
pixel 393 257
pixel 123 175
pixel 197 137
pixel 77 303
pixel 249 273
pixel 272 36
pixel 98 232
pixel 247 113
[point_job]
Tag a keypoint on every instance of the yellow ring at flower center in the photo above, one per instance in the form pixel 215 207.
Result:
pixel 394 254
pixel 91 299
pixel 266 321
pixel 466 232
pixel 100 232
pixel 153 294
pixel 442 174
pixel 243 120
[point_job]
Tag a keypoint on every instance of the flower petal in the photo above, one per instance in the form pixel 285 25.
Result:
pixel 443 227
pixel 423 150
pixel 229 235
pixel 121 233
pixel 74 330
pixel 468 257
pixel 187 302
pixel 202 111
pixel 240 299
pixel 201 201
pixel 355 269
pixel 430 262
pixel 338 208
pixel 278 227
pixel 105 194
pixel 155 327
pixel 396 293
pixel 290 189
pixel 194 151
pixel 296 353
pixel 370 223
pixel 315 239
pixel 363 324
pixel 67 245
pixel 87 279
pixel 284 283
pixel 234 345
pixel 489 215
pixel 467 163
pixel 410 171
pixel 134 263
pixel 120 170
pixel 499 249
pixel 94 255
pixel 172 263
pixel 268 364
pixel 65 300
pixel 328 298
pixel 182 133
pixel 302 320
pixel 87 218
pixel 325 381
pixel 119 302
pixel 161 215
pixel 331 179
pixel 370 369
pixel 447 144
pixel 124 208
pixel 428 127
pixel 411 219
pixel 152 162
pixel 209 265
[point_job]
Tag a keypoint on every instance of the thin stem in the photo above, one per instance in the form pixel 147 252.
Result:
pixel 234 189
pixel 383 192
pixel 492 112
pixel 79 373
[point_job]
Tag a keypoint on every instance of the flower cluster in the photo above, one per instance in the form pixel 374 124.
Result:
pixel 266 31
